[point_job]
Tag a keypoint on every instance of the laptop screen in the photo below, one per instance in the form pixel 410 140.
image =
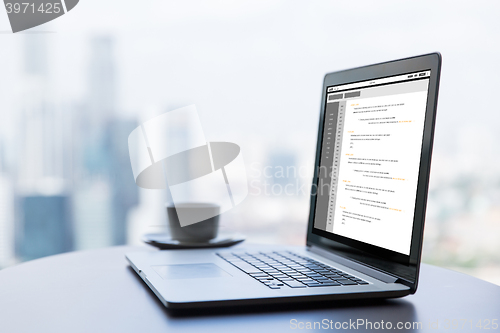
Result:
pixel 369 160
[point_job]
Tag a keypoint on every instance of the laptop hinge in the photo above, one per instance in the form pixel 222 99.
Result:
pixel 354 265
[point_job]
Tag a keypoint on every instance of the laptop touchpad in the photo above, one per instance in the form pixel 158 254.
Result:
pixel 190 271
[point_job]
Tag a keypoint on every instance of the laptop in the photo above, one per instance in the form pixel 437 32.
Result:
pixel 367 204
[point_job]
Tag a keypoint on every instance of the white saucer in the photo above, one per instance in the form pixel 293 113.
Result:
pixel 164 241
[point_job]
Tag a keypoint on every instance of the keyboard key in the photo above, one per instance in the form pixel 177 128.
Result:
pixel 346 282
pixel 262 267
pixel 331 284
pixel 280 267
pixel 313 275
pixel 247 268
pixel 271 271
pixel 273 281
pixel 320 277
pixel 321 271
pixel 277 276
pixel 334 276
pixel 259 275
pixel 264 278
pixel 294 284
pixel 267 260
pixel 285 279
pixel 307 280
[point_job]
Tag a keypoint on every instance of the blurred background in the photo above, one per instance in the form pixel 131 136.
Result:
pixel 73 89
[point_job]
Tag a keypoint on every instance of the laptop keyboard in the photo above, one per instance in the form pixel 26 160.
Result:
pixel 280 269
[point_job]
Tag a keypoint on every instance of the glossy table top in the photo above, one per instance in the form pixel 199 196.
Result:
pixel 96 291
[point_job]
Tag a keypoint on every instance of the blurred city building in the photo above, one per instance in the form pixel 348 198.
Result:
pixel 6 220
pixel 46 228
pixel 104 187
pixel 42 195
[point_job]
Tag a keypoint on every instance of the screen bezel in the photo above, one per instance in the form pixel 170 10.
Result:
pixel 405 268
